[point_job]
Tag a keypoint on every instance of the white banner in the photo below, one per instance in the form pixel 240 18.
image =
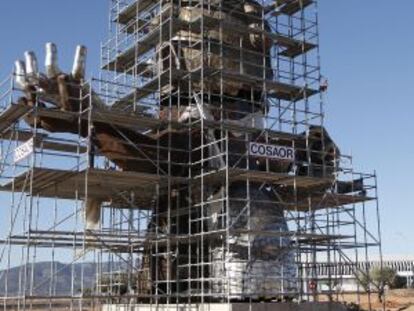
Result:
pixel 272 151
pixel 24 150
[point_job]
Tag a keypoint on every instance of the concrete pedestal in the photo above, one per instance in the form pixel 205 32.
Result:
pixel 309 306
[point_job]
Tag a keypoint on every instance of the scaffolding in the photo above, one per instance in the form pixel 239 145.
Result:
pixel 202 148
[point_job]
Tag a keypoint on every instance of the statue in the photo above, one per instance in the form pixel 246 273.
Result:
pixel 256 259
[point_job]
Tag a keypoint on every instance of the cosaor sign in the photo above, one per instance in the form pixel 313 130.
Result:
pixel 272 151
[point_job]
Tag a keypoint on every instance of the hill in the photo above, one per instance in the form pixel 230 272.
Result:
pixel 60 284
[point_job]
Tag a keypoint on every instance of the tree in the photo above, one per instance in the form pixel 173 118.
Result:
pixel 377 278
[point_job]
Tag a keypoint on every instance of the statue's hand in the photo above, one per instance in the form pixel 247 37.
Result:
pixel 53 86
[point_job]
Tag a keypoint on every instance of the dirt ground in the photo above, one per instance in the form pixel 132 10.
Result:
pixel 402 298
pixel 396 300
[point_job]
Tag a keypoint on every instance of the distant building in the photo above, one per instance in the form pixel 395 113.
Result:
pixel 343 276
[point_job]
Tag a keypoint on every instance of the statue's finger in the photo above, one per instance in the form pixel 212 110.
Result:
pixel 32 69
pixel 63 93
pixel 51 61
pixel 79 64
pixel 20 74
pixel 31 63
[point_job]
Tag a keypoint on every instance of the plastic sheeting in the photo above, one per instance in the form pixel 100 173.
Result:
pixel 253 279
pixel 257 261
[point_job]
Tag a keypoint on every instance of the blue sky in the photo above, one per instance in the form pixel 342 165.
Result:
pixel 367 54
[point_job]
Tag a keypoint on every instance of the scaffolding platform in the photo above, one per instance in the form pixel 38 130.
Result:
pixel 322 201
pixel 291 7
pixel 298 238
pixel 119 243
pixel 130 12
pixel 104 185
pixel 9 116
pixel 133 121
pixel 123 61
pixel 42 141
pixel 285 179
pixel 89 239
pixel 275 89
pixel 302 186
pixel 120 119
pixel 116 186
pixel 130 120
